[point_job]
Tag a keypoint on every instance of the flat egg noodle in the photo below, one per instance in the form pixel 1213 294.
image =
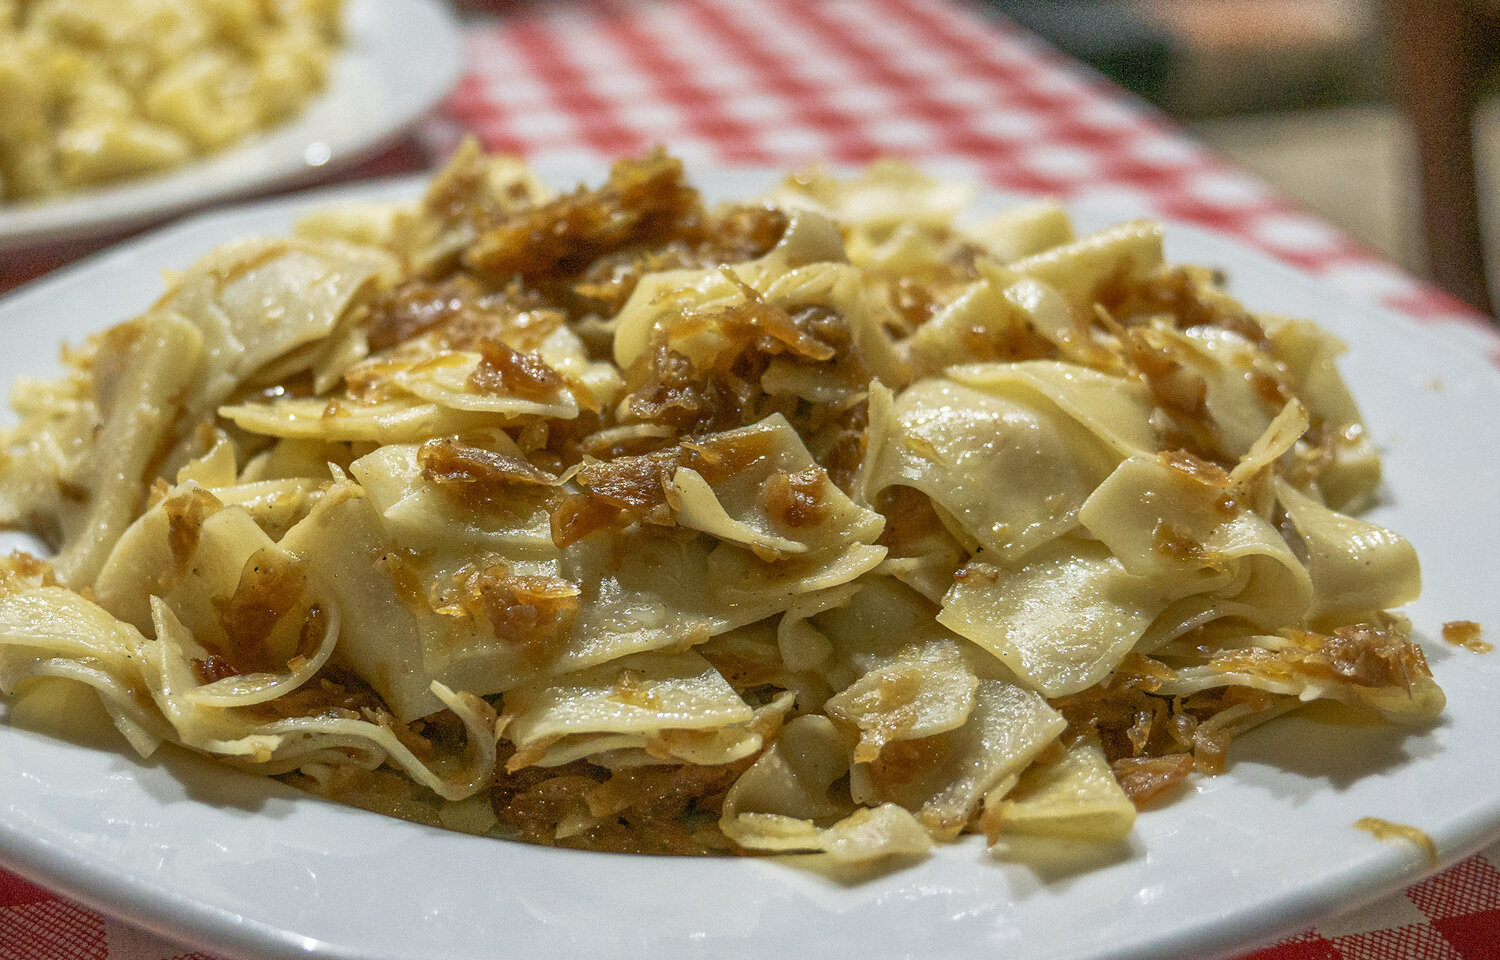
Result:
pixel 615 520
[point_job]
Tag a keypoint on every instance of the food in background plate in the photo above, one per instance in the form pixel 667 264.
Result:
pixel 823 522
pixel 93 91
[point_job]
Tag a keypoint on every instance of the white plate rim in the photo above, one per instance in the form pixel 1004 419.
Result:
pixel 1376 870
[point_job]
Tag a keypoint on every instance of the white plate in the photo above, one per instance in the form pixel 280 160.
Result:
pixel 247 867
pixel 399 58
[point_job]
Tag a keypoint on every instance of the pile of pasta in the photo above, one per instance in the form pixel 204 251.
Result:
pixel 93 91
pixel 829 521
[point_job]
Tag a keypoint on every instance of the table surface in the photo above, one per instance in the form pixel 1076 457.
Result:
pixel 785 82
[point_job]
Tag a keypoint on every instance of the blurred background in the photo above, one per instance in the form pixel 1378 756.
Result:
pixel 1325 99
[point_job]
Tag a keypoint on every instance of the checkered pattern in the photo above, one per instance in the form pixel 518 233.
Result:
pixel 785 82
pixel 1453 916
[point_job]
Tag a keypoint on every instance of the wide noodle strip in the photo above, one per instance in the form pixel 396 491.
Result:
pixel 829 522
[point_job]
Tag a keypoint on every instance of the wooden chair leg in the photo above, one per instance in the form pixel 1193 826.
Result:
pixel 1438 60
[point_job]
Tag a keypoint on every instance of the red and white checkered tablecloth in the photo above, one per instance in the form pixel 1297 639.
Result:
pixel 784 82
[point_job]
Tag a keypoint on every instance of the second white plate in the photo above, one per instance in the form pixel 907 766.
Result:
pixel 399 58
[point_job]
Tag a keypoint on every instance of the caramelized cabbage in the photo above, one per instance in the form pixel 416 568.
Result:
pixel 614 520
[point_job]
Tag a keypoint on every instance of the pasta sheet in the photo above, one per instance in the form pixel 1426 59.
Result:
pixel 828 522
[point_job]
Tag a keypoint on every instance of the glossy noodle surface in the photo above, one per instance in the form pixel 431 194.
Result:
pixel 826 521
